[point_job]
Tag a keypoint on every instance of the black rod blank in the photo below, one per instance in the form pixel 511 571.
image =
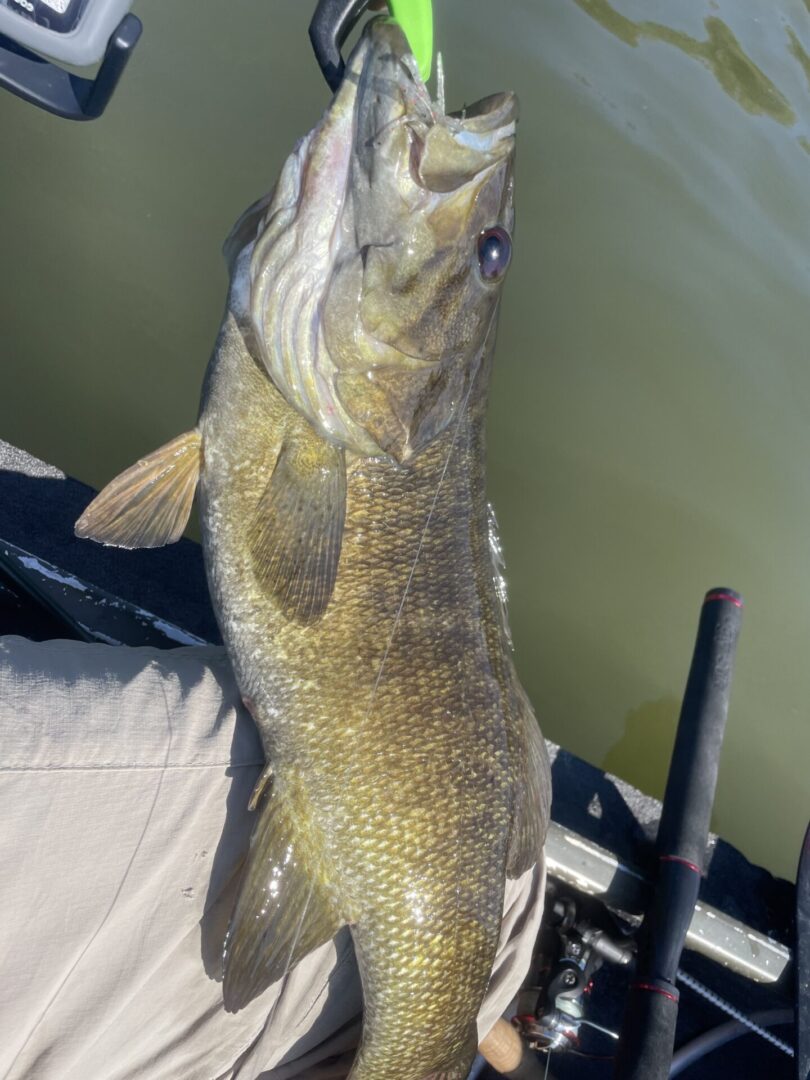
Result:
pixel 803 962
pixel 331 24
pixel 648 1033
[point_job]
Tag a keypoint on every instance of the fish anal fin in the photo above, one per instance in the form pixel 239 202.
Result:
pixel 149 504
pixel 297 530
pixel 283 911
pixel 534 805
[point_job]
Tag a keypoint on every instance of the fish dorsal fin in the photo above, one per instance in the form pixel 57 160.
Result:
pixel 534 799
pixel 148 505
pixel 297 530
pixel 283 911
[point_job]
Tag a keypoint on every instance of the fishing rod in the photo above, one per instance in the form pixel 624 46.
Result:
pixel 648 1034
pixel 580 935
pixel 802 976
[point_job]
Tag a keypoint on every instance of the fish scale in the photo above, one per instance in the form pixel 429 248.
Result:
pixel 371 769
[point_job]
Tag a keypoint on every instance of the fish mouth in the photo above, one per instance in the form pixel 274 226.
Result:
pixel 445 150
pixel 390 88
pixel 409 159
pixel 386 172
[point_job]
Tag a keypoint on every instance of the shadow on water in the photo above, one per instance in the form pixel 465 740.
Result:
pixel 799 52
pixel 721 53
pixel 641 756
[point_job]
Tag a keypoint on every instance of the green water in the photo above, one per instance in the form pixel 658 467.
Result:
pixel 649 424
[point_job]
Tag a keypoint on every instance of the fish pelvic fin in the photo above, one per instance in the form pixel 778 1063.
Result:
pixel 534 801
pixel 149 504
pixel 297 531
pixel 284 909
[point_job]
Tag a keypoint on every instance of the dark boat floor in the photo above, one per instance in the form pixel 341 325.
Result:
pixel 38 506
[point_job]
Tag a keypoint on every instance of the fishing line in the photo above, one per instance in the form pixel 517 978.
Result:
pixel 287 965
pixel 398 616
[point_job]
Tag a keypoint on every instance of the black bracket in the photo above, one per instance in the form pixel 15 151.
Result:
pixel 331 24
pixel 35 79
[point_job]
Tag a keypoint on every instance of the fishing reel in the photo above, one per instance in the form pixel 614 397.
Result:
pixel 570 950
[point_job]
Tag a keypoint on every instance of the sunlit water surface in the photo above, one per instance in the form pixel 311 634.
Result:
pixel 649 428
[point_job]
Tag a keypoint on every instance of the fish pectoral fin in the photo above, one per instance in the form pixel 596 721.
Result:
pixel 149 504
pixel 534 805
pixel 282 913
pixel 297 531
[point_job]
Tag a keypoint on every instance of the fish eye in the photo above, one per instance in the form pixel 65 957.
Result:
pixel 494 252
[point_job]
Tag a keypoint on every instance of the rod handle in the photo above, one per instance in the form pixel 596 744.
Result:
pixel 689 797
pixel 509 1055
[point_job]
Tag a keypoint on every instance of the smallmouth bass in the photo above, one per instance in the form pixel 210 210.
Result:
pixel 339 455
